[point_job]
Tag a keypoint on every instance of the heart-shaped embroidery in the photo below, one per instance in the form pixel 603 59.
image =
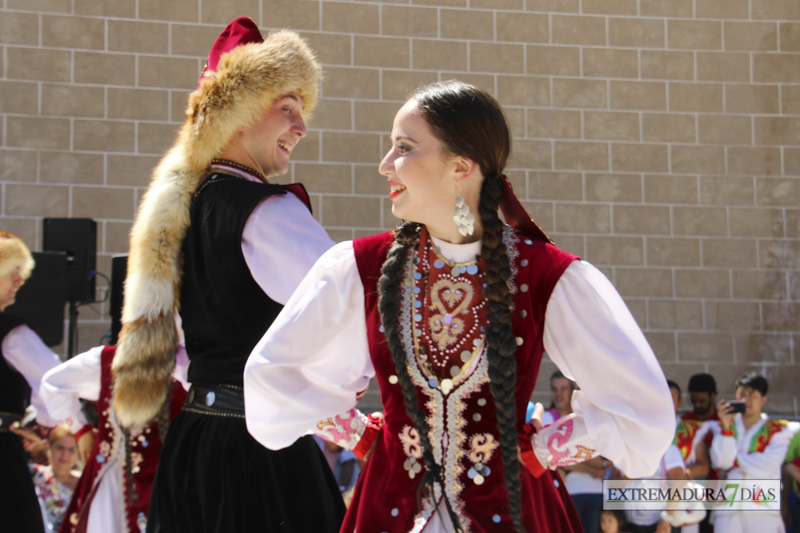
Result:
pixel 448 300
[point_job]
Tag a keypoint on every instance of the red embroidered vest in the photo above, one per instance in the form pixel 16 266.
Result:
pixel 145 449
pixel 461 415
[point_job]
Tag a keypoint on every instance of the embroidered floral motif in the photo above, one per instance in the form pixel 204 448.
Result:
pixel 684 436
pixel 458 452
pixel 410 440
pixel 559 452
pixel 482 447
pixel 582 453
pixel 762 437
pixel 448 310
pixel 344 429
pixel 557 444
pixel 105 452
pixel 449 299
pixel 136 459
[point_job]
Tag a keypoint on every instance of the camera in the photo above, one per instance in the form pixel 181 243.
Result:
pixel 738 406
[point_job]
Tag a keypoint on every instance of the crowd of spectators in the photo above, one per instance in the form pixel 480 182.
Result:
pixel 715 439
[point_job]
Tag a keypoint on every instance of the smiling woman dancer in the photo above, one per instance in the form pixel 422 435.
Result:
pixel 453 320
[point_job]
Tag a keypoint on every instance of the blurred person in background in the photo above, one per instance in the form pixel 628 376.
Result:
pixel 113 493
pixel 694 433
pixel 750 445
pixel 561 390
pixel 25 359
pixel 790 503
pixel 56 481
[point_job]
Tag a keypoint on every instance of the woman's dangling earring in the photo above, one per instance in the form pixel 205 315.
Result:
pixel 464 219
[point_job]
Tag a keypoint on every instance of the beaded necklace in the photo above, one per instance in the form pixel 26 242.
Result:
pixel 449 311
pixel 239 166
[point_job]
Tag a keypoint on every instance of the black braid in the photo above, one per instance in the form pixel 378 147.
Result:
pixel 501 345
pixel 389 289
pixel 470 123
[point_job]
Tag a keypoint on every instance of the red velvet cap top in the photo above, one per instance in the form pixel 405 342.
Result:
pixel 241 31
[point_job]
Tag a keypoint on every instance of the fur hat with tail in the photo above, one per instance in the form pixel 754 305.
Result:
pixel 244 77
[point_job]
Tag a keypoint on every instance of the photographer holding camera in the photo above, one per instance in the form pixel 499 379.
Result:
pixel 748 445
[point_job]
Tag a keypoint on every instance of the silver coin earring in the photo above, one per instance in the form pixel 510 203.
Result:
pixel 464 219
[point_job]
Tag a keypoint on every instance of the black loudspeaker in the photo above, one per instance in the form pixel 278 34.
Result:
pixel 41 300
pixel 78 238
pixel 119 270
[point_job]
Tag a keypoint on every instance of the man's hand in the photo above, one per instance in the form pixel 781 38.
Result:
pixel 26 434
pixel 32 443
pixel 538 415
pixel 725 412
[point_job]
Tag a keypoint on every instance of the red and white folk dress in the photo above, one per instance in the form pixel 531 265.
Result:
pixel 560 303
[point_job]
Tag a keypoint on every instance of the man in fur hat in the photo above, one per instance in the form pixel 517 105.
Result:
pixel 217 241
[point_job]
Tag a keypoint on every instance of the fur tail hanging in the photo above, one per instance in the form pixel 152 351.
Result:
pixel 143 375
pixel 247 81
pixel 148 342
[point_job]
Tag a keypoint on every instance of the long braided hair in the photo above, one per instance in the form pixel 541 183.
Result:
pixel 469 122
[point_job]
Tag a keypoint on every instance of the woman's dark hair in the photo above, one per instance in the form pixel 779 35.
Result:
pixel 470 123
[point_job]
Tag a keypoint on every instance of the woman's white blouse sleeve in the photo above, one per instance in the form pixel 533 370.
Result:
pixel 314 359
pixel 76 378
pixel 623 400
pixel 24 350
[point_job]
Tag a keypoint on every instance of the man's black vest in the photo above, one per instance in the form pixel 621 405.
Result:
pixel 224 311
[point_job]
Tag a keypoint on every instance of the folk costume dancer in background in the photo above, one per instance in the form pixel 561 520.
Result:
pixel 113 492
pixel 696 425
pixel 750 446
pixel 452 320
pixel 215 239
pixel 691 441
pixel 25 359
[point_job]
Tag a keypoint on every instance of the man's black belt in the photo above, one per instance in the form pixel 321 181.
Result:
pixel 215 400
pixel 6 419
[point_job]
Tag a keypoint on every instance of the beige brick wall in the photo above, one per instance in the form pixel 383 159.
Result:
pixel 658 139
